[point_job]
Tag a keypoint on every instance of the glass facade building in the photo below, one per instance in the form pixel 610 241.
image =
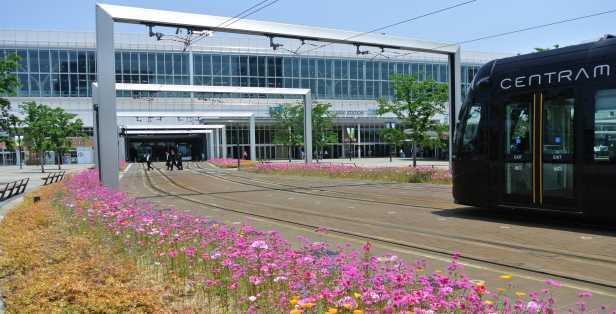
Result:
pixel 58 68
pixel 69 73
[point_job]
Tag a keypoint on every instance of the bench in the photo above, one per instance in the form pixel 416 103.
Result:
pixel 53 177
pixel 10 189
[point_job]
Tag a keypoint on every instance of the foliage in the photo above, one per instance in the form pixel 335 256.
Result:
pixel 341 171
pixel 322 124
pixel 47 265
pixel 8 86
pixel 415 104
pixel 393 137
pixel 63 126
pixel 439 140
pixel 48 128
pixel 288 125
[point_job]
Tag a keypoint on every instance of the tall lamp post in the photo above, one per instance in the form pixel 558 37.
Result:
pixel 239 154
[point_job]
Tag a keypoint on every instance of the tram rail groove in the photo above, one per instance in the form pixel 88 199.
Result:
pixel 386 241
pixel 585 225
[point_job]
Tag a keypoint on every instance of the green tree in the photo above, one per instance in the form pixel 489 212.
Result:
pixel 415 104
pixel 436 137
pixel 288 122
pixel 8 87
pixel 63 126
pixel 392 137
pixel 38 121
pixel 322 123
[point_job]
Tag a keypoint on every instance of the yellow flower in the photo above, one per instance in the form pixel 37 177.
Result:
pixel 500 289
pixel 357 295
pixel 438 271
pixel 505 277
pixel 358 312
pixel 488 302
pixel 347 306
pixel 520 294
pixel 332 310
pixel 410 312
pixel 296 311
pixel 294 300
pixel 307 305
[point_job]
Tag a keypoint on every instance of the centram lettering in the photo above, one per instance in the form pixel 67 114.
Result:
pixel 568 75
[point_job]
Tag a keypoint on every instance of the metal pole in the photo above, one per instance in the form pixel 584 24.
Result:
pixel 308 127
pixel 224 141
pixel 253 136
pixel 107 111
pixel 455 96
pixel 238 147
pixel 358 140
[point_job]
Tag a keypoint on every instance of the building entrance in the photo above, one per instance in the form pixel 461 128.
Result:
pixel 191 147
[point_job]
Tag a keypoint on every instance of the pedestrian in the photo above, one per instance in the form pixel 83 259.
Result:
pixel 402 155
pixel 148 161
pixel 168 160
pixel 178 163
pixel 325 154
pixel 172 159
pixel 245 155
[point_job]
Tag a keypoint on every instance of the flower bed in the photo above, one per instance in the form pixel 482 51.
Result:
pixel 233 269
pixel 231 163
pixel 420 174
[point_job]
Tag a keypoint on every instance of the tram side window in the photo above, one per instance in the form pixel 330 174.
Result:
pixel 470 133
pixel 605 125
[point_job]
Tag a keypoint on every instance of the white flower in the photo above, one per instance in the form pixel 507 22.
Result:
pixel 252 298
pixel 279 278
pixel 259 244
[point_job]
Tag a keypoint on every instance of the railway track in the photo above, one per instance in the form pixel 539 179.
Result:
pixel 592 260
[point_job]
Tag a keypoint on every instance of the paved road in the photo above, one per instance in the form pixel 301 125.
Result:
pixel 414 221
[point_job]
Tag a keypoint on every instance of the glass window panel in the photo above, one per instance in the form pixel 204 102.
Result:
pixel 118 62
pixel 321 68
pixel 82 63
pixel 207 80
pixel 207 64
pixel 287 67
pixel 55 61
pixel 605 125
pixel 63 61
pixel 312 68
pixel 261 67
pixel 74 85
pixel 64 85
pixel 177 64
pixel 278 61
pixel 345 69
pixel 83 85
pixel 23 60
pixel 23 85
pixel 151 68
pixel 198 64
pixel 252 62
pixel 558 115
pixel 226 65
pixel 73 61
pixel 33 55
pixel 143 63
pixel 160 63
pixel 44 85
pixel 55 85
pixel 518 178
pixel 353 65
pixel 235 65
pixel 244 65
pixel 296 67
pixel 34 85
pixel 470 135
pixel 360 69
pixel 517 128
pixel 168 64
pixel 216 65
pixel 384 70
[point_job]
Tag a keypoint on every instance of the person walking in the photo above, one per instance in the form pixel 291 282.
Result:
pixel 168 160
pixel 178 163
pixel 245 155
pixel 172 160
pixel 148 161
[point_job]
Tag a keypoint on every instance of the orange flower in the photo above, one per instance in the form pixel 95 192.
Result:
pixel 332 310
pixel 358 312
pixel 296 311
pixel 347 306
pixel 307 305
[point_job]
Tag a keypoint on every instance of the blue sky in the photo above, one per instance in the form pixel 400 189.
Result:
pixel 483 17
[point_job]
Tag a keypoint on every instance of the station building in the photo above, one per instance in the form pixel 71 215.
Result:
pixel 58 67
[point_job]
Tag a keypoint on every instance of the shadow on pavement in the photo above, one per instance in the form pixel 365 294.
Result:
pixel 530 218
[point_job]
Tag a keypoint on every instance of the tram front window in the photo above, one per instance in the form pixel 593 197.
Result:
pixel 605 125
pixel 518 143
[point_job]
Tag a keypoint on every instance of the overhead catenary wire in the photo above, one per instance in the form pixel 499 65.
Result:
pixel 255 8
pixel 520 30
pixel 399 22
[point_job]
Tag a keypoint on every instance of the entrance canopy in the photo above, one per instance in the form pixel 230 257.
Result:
pixel 104 98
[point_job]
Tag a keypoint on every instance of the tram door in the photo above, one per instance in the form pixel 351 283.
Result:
pixel 539 150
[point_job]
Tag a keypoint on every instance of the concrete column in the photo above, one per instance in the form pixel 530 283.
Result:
pixel 253 140
pixel 107 111
pixel 455 95
pixel 308 127
pixel 217 143
pixel 210 145
pixel 224 141
pixel 122 148
pixel 358 140
pixel 191 76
